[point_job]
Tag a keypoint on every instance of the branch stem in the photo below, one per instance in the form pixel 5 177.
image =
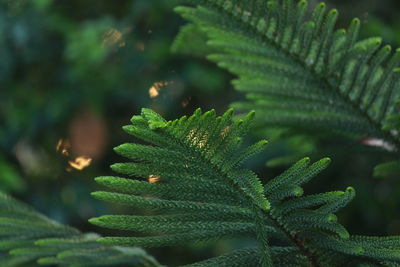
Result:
pixel 298 243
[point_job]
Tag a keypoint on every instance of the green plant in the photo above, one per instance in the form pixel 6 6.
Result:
pixel 28 236
pixel 298 72
pixel 202 192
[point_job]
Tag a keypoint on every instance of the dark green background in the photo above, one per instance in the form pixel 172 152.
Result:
pixel 78 70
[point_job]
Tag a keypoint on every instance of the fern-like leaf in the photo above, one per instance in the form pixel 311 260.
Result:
pixel 190 176
pixel 297 70
pixel 28 236
pixel 201 191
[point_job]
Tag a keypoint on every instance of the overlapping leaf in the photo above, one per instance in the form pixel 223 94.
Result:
pixel 191 168
pixel 28 237
pixel 189 179
pixel 297 70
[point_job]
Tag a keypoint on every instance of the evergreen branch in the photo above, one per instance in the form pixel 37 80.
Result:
pixel 28 236
pixel 200 150
pixel 201 155
pixel 301 72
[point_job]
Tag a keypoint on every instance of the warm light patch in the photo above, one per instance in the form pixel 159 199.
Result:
pixel 87 135
pixel 224 131
pixel 154 91
pixel 80 163
pixel 113 37
pixel 63 146
pixel 153 178
pixel 195 139
pixel 186 101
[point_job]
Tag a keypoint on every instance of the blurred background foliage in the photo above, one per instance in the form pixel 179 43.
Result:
pixel 73 72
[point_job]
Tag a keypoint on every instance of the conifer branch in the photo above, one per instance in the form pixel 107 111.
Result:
pixel 301 72
pixel 28 237
pixel 201 153
pixel 312 258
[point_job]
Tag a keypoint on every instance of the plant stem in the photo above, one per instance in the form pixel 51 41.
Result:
pixel 298 243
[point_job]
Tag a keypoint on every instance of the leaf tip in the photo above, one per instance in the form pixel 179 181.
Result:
pixel 119 148
pixel 350 190
pixel 303 2
pixel 356 21
pixel 125 127
pixel 334 12
pixel 95 221
pixel 332 218
pixel 298 191
pixel 321 5
pixel 326 161
pixel 263 142
pixel 96 194
pixel 251 115
pixel 345 235
pixel 101 179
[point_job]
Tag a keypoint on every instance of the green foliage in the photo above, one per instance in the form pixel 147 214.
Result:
pixel 298 71
pixel 186 178
pixel 10 181
pixel 27 236
pixel 202 192
pixel 389 169
pixel 62 59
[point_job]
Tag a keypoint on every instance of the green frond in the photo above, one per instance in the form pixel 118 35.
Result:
pixel 189 191
pixel 174 223
pixel 374 248
pixel 294 177
pixel 335 205
pixel 191 41
pixel 28 236
pixel 298 70
pixel 283 256
pixel 311 218
pixel 238 258
pixel 308 201
pixel 190 181
pixel 174 239
pixel 156 204
pixel 200 191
